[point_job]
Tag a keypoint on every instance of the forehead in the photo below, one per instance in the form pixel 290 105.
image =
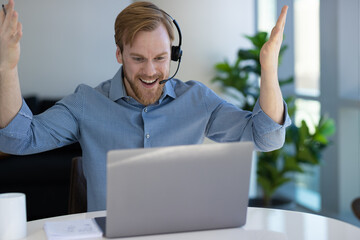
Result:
pixel 150 42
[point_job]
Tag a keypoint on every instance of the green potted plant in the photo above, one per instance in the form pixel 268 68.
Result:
pixel 302 146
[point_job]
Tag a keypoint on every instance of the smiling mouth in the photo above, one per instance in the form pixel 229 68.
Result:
pixel 148 82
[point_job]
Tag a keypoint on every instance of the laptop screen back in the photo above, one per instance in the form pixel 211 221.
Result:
pixel 177 189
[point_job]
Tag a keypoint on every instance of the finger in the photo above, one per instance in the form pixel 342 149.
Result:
pixel 11 24
pixel 18 34
pixel 10 5
pixel 9 11
pixel 278 31
pixel 282 18
pixel 2 15
pixel 276 38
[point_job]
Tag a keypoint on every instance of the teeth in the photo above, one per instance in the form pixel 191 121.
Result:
pixel 148 81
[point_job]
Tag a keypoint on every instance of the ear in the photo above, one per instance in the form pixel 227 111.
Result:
pixel 118 55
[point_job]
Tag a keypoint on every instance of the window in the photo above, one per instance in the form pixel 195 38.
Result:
pixel 307 85
pixel 307 47
pixel 303 40
pixel 308 183
pixel 327 81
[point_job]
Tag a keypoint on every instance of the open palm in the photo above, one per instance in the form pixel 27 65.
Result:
pixel 269 53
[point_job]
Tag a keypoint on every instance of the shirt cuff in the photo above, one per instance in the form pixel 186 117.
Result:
pixel 19 126
pixel 265 123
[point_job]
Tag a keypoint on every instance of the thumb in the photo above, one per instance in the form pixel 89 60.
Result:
pixel 18 34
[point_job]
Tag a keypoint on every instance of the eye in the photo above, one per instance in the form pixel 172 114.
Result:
pixel 138 59
pixel 159 58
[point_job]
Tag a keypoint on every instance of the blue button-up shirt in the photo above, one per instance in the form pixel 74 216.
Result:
pixel 106 118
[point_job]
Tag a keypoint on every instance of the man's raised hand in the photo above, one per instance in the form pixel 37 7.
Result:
pixel 10 35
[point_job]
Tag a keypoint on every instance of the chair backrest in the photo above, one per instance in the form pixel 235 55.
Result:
pixel 78 188
pixel 355 205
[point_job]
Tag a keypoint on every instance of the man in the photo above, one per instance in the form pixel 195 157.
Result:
pixel 133 110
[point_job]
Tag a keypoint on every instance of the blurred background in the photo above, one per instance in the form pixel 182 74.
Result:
pixel 66 43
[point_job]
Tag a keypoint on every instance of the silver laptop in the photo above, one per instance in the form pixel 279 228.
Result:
pixel 177 189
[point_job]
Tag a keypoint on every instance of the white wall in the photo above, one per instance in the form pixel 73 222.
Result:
pixel 340 98
pixel 212 31
pixel 66 43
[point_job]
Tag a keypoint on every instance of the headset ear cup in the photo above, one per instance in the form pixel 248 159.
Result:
pixel 176 53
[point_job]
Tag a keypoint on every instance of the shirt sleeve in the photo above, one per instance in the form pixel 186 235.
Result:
pixel 56 127
pixel 228 123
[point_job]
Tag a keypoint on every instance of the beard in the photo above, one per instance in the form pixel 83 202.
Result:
pixel 145 96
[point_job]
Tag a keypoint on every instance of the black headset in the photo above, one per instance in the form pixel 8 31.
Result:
pixel 176 51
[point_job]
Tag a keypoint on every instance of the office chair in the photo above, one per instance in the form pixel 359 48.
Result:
pixel 78 189
pixel 355 205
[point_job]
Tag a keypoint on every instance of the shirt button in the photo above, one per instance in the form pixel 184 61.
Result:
pixel 145 110
pixel 147 135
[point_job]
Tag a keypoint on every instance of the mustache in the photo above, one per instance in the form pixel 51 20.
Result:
pixel 155 76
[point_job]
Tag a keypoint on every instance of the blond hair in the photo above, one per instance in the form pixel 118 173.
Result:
pixel 140 16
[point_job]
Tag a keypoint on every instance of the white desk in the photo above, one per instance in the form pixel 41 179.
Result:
pixel 264 224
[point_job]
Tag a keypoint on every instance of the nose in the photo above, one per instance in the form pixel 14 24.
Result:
pixel 149 68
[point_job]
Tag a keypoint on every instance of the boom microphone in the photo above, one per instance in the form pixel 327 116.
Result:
pixel 177 69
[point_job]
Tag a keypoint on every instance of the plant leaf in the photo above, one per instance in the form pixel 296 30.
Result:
pixel 320 138
pixel 286 81
pixel 258 39
pixel 223 67
pixel 304 155
pixel 327 128
pixel 291 165
pixel 248 55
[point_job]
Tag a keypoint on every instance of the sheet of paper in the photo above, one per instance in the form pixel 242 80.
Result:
pixel 76 229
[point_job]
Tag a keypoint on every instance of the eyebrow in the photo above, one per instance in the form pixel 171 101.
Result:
pixel 139 55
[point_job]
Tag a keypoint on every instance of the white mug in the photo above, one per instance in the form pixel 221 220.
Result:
pixel 12 216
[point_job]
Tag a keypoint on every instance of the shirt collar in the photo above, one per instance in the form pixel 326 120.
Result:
pixel 168 90
pixel 117 88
